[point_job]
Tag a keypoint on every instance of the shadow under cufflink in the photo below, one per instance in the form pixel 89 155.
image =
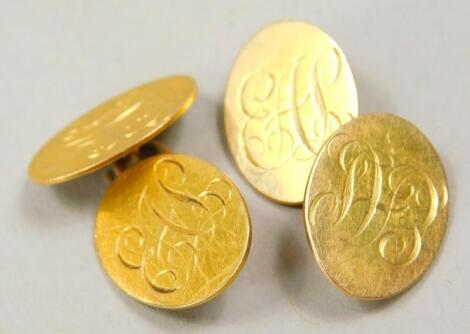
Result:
pixel 80 194
pixel 83 193
pixel 221 131
pixel 370 95
pixel 165 318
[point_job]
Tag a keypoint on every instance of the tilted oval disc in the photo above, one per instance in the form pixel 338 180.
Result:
pixel 113 130
pixel 289 89
pixel 376 206
pixel 173 231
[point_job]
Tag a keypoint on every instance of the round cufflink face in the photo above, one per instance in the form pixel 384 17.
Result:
pixel 173 231
pixel 113 130
pixel 376 206
pixel 289 89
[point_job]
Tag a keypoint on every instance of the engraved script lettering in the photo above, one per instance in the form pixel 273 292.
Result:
pixel 382 201
pixel 121 121
pixel 177 241
pixel 288 116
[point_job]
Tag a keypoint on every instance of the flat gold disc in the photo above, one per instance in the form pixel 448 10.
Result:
pixel 113 130
pixel 376 206
pixel 289 89
pixel 173 231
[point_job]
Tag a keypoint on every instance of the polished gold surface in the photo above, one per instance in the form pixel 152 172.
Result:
pixel 113 130
pixel 173 231
pixel 376 206
pixel 289 89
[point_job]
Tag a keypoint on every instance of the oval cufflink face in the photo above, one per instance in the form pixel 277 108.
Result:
pixel 289 89
pixel 376 206
pixel 173 231
pixel 112 130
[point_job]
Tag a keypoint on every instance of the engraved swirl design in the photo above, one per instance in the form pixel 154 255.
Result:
pixel 187 238
pixel 376 206
pixel 288 116
pixel 113 129
pixel 392 204
pixel 124 117
pixel 290 88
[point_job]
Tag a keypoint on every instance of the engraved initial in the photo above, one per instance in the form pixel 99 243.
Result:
pixel 288 116
pixel 181 227
pixel 385 203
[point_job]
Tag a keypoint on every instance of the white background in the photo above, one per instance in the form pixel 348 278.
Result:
pixel 60 58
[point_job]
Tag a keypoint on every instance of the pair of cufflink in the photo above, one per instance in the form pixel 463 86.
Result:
pixel 174 231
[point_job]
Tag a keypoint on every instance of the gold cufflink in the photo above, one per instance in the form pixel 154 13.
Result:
pixel 172 231
pixel 289 89
pixel 376 206
pixel 375 203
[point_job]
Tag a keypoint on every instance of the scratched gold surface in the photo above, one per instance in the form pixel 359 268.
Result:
pixel 113 130
pixel 376 206
pixel 289 89
pixel 173 231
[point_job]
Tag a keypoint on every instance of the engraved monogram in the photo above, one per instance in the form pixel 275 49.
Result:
pixel 119 122
pixel 179 232
pixel 381 202
pixel 288 115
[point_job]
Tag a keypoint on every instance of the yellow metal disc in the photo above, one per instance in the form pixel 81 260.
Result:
pixel 289 89
pixel 376 206
pixel 113 130
pixel 173 231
